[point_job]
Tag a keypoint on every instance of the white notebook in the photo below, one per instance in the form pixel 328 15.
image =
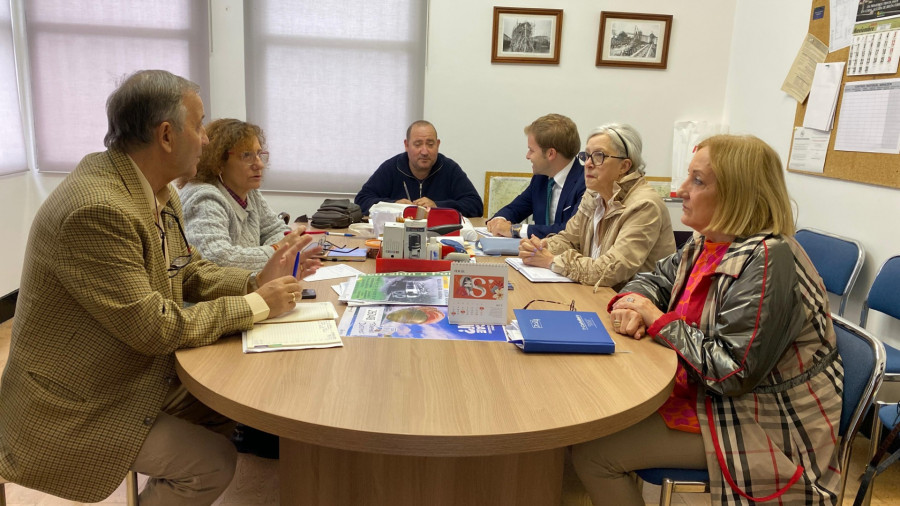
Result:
pixel 308 325
pixel 537 274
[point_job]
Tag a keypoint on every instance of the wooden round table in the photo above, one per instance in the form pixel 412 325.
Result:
pixel 405 421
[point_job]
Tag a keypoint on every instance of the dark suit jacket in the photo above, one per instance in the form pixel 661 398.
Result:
pixel 97 323
pixel 534 201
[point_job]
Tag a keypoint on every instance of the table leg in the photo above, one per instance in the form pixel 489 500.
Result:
pixel 318 476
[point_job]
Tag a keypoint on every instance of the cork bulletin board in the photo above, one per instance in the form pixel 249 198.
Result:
pixel 873 168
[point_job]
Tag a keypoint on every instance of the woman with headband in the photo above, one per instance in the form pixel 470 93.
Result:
pixel 622 226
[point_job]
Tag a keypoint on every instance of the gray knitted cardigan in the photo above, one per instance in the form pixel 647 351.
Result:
pixel 225 233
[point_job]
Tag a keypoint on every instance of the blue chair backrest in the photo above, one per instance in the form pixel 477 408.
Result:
pixel 837 259
pixel 884 295
pixel 863 359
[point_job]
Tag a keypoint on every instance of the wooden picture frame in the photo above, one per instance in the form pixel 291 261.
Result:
pixel 500 188
pixel 526 35
pixel 629 39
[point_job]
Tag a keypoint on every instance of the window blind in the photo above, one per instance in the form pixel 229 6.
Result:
pixel 79 50
pixel 333 84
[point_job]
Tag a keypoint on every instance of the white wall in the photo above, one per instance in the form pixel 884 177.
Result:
pixel 767 34
pixel 480 108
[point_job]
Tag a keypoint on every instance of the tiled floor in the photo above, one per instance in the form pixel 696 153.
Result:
pixel 256 484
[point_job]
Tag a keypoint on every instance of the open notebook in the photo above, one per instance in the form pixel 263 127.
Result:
pixel 537 274
pixel 308 325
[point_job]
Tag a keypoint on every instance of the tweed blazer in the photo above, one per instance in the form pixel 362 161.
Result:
pixel 226 233
pixel 764 354
pixel 97 323
pixel 633 236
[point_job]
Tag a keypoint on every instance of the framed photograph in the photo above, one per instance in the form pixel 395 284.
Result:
pixel 629 39
pixel 526 35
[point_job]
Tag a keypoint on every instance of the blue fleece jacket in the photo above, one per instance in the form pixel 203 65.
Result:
pixel 447 185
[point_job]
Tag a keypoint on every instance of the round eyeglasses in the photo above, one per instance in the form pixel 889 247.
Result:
pixel 598 157
pixel 249 157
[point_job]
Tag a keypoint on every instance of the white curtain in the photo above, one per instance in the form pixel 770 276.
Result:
pixel 12 140
pixel 334 84
pixel 79 50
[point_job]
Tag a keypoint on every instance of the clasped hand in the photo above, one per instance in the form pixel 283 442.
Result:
pixel 277 285
pixel 533 251
pixel 632 314
pixel 421 202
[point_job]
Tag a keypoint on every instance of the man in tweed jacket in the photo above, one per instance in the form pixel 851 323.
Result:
pixel 90 389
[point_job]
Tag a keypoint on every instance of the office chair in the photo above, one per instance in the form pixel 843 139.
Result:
pixel 837 259
pixel 863 358
pixel 884 297
pixel 131 489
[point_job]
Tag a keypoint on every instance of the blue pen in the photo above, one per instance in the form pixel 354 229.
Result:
pixel 296 264
pixel 339 234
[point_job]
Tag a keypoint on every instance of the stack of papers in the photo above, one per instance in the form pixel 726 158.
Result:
pixel 823 96
pixel 308 325
pixel 537 274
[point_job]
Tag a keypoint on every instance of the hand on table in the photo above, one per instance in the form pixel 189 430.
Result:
pixel 632 314
pixel 499 226
pixel 425 202
pixel 533 251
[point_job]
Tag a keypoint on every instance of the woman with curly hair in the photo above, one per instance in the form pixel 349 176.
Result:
pixel 226 217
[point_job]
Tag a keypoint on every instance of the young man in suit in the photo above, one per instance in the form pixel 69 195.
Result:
pixel 90 389
pixel 556 188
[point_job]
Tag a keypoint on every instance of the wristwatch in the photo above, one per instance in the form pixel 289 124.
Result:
pixel 515 229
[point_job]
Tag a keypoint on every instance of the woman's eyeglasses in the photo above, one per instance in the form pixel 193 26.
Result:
pixel 571 304
pixel 598 157
pixel 249 157
pixel 181 261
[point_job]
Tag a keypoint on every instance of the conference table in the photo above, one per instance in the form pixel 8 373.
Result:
pixel 392 421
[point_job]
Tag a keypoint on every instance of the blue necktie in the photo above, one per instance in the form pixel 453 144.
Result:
pixel 549 200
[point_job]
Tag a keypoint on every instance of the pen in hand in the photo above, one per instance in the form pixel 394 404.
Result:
pixel 296 264
pixel 407 192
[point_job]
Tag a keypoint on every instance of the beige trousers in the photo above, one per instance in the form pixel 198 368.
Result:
pixel 187 462
pixel 603 464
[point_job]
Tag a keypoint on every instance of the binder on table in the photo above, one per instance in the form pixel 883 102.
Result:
pixel 545 331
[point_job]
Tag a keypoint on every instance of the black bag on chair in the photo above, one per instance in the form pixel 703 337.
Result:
pixel 336 213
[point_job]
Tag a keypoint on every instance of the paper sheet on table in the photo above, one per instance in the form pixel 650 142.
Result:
pixel 809 149
pixel 823 96
pixel 870 117
pixel 306 311
pixel 292 336
pixel 841 16
pixel 799 78
pixel 332 272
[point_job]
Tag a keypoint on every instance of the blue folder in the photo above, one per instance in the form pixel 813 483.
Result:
pixel 546 331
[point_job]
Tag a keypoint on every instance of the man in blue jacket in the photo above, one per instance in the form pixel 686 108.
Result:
pixel 421 176
pixel 556 187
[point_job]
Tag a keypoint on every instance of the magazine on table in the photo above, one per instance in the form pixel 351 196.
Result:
pixel 414 322
pixel 408 288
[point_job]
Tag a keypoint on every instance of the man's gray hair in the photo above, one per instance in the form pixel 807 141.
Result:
pixel 142 102
pixel 626 140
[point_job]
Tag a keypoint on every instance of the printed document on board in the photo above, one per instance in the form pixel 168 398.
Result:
pixel 823 96
pixel 809 149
